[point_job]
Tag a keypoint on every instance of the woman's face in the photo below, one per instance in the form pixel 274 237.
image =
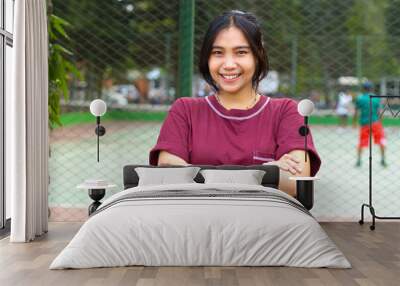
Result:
pixel 232 63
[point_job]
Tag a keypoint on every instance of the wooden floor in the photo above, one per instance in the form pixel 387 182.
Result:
pixel 374 255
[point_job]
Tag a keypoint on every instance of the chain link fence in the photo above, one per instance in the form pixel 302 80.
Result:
pixel 128 54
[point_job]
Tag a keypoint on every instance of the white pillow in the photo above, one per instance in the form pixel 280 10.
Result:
pixel 166 176
pixel 248 177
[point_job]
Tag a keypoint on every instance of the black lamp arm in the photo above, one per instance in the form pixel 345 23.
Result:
pixel 304 131
pixel 98 137
pixel 100 131
pixel 305 138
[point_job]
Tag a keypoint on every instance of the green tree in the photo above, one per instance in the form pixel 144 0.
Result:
pixel 392 25
pixel 367 19
pixel 110 36
pixel 60 67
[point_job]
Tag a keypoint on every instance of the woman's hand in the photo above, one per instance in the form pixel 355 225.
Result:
pixel 168 159
pixel 289 163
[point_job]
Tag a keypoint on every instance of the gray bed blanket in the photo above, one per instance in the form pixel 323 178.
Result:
pixel 201 224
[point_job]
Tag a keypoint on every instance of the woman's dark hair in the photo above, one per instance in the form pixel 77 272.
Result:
pixel 245 22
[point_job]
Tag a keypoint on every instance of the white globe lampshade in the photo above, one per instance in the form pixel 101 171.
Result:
pixel 305 107
pixel 98 107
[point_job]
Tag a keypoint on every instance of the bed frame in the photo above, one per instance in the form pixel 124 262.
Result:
pixel 270 179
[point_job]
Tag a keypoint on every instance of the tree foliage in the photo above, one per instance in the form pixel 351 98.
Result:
pixel 60 67
pixel 111 36
pixel 313 40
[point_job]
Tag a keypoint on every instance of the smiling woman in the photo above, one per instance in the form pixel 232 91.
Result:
pixel 232 66
pixel 235 125
pixel 233 59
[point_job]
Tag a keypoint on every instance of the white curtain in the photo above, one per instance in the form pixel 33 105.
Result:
pixel 28 123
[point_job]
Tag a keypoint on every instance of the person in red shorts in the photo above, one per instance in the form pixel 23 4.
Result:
pixel 362 107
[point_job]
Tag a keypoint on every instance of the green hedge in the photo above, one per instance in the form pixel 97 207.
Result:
pixel 76 118
pixel 334 120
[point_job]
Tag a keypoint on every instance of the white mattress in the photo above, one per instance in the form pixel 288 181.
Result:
pixel 202 231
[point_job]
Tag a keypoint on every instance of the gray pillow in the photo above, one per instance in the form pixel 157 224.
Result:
pixel 248 177
pixel 163 176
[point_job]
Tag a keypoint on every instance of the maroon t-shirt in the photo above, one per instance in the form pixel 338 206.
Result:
pixel 202 132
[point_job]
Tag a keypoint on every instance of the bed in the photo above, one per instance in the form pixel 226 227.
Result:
pixel 201 224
